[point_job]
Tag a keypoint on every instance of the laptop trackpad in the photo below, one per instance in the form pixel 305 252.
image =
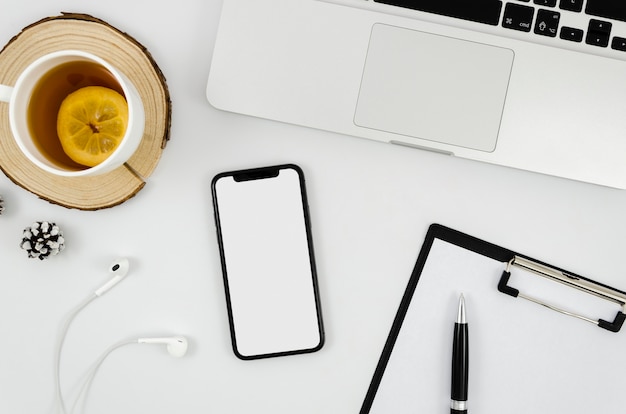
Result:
pixel 433 87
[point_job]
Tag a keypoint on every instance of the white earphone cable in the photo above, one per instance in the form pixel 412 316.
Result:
pixel 119 269
pixel 60 403
pixel 93 370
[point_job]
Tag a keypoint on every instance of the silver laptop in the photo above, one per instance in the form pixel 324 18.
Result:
pixel 536 85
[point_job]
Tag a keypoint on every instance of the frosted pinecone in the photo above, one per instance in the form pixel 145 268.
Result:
pixel 42 240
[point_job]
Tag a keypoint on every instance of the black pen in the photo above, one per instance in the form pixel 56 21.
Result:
pixel 460 360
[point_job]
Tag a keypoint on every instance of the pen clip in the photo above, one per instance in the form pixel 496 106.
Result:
pixel 585 285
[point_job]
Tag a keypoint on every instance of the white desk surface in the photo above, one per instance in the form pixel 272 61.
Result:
pixel 370 204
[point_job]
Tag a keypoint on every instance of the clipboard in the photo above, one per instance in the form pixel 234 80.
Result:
pixel 566 356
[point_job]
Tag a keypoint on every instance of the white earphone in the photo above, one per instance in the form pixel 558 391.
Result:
pixel 119 270
pixel 176 345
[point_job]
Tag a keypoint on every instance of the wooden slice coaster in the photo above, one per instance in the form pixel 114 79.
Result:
pixel 83 32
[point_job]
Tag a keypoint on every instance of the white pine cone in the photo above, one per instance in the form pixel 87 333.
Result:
pixel 42 240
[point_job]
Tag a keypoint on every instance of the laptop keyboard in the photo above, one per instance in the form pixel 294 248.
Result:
pixel 590 22
pixel 483 11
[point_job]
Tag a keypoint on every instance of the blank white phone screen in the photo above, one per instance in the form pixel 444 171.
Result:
pixel 268 264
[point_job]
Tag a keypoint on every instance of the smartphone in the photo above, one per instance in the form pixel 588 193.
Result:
pixel 268 266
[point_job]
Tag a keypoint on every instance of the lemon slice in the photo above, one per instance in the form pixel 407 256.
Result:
pixel 91 124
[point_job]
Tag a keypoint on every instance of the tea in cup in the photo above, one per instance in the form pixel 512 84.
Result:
pixel 73 114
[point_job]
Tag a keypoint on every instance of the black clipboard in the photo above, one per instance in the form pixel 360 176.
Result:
pixel 523 358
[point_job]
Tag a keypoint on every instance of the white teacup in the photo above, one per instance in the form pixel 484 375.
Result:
pixel 19 100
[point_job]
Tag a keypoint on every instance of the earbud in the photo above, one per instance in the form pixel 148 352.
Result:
pixel 119 267
pixel 119 270
pixel 176 345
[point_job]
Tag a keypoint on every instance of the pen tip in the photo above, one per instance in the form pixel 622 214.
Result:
pixel 461 316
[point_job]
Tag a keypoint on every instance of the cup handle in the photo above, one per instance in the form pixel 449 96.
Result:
pixel 5 93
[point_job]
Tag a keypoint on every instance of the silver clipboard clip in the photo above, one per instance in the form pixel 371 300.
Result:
pixel 585 285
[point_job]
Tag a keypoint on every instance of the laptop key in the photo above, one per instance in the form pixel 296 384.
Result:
pixel 600 26
pixel 480 11
pixel 610 9
pixel 518 17
pixel 547 23
pixel 597 39
pixel 619 43
pixel 547 3
pixel 598 33
pixel 571 5
pixel 572 34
